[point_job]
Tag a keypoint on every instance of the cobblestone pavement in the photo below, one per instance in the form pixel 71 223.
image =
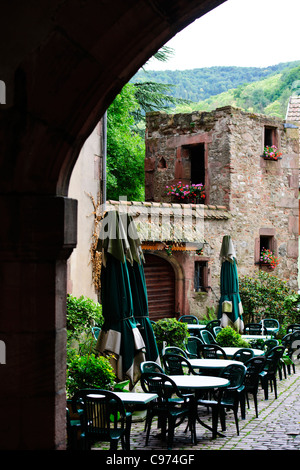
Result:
pixel 276 428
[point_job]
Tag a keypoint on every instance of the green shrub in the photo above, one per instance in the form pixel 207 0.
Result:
pixel 170 330
pixel 228 337
pixel 89 371
pixel 266 296
pixel 82 313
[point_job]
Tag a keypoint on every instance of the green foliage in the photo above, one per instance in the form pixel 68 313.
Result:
pixel 82 313
pixel 199 84
pixel 264 295
pixel 125 149
pixel 209 316
pixel 228 337
pixel 268 96
pixel 154 97
pixel 89 371
pixel 170 330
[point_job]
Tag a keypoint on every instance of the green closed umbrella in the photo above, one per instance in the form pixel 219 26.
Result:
pixel 140 309
pixel 119 336
pixel 230 306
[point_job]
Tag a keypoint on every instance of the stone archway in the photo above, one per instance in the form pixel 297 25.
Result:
pixel 62 64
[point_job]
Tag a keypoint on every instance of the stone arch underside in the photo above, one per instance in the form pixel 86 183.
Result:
pixel 62 64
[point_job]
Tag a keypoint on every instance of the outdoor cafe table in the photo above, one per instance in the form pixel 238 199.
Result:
pixel 199 383
pixel 250 337
pixel 132 398
pixel 194 328
pixel 231 351
pixel 211 365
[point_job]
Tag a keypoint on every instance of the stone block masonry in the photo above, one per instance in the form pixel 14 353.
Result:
pixel 225 148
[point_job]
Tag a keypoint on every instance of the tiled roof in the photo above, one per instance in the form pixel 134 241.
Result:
pixel 293 110
pixel 159 221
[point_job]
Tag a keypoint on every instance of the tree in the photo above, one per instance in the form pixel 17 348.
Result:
pixel 125 134
pixel 125 149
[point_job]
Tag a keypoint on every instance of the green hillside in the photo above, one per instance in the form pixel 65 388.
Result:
pixel 269 96
pixel 259 90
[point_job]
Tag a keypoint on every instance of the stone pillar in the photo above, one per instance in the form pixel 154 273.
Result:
pixel 38 234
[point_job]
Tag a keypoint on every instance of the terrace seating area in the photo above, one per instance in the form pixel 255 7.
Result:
pixel 196 391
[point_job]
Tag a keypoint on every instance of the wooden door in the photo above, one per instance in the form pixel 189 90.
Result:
pixel 160 281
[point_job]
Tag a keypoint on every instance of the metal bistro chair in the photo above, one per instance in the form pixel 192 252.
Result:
pixel 151 366
pixel 227 398
pixel 175 350
pixel 193 347
pixel 216 330
pixel 211 324
pixel 212 351
pixel 243 355
pixel 271 325
pixel 177 365
pixel 270 344
pixel 268 374
pixel 207 337
pixel 255 329
pixel 289 351
pixel 171 407
pixel 251 382
pixel 189 319
pixel 103 418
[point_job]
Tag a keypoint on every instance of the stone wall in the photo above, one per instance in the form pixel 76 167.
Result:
pixel 264 194
pixel 261 196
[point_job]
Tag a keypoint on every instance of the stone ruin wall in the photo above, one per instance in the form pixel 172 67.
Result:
pixel 259 194
pixel 264 194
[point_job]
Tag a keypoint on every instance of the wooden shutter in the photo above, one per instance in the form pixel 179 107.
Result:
pixel 160 281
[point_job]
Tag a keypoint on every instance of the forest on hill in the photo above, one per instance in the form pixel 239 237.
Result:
pixel 260 90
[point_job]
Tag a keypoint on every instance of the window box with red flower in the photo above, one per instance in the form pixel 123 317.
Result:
pixel 187 193
pixel 271 152
pixel 267 258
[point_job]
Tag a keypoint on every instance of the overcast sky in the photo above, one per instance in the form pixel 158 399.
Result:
pixel 247 33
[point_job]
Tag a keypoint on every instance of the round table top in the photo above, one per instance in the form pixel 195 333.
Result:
pixel 250 337
pixel 199 381
pixel 212 363
pixel 230 351
pixel 195 326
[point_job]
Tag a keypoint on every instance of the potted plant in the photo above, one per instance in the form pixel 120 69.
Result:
pixel 271 152
pixel 228 337
pixel 268 258
pixel 170 331
pixel 194 193
pixel 88 371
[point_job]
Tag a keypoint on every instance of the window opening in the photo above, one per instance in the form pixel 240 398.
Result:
pixel 197 164
pixel 270 136
pixel 200 276
pixel 265 242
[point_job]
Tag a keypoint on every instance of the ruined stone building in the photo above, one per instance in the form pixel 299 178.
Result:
pixel 252 199
pixel 248 197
